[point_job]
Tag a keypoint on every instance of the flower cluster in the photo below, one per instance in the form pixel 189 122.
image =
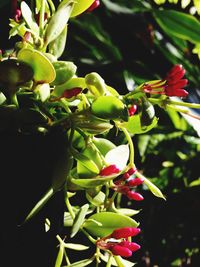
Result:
pixel 172 85
pixel 118 242
pixel 127 183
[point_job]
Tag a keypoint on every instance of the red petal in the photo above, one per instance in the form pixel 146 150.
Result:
pixel 125 232
pixel 109 170
pixel 130 245
pixel 134 196
pixel 121 251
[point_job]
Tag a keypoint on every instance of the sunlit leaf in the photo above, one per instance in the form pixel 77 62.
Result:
pixel 118 156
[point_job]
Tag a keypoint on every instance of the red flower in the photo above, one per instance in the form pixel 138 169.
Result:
pixel 171 86
pixel 109 170
pixel 17 15
pixel 130 245
pixel 125 232
pixel 132 171
pixel 175 82
pixel 94 5
pixel 72 92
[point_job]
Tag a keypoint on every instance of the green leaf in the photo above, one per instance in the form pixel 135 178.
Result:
pixel 57 47
pixel 109 107
pixel 104 145
pixel 79 219
pixel 179 24
pixel 73 246
pixel 154 189
pixel 109 221
pixel 97 200
pixel 127 212
pixel 29 18
pixel 86 161
pixel 134 125
pixel 44 71
pixel 123 263
pixel 81 263
pixel 80 6
pixel 40 204
pixel 65 70
pixel 58 21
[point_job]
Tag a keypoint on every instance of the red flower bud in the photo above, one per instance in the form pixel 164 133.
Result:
pixel 135 182
pixel 109 170
pixel 126 175
pixel 132 171
pixel 94 5
pixel 121 251
pixel 125 232
pixel 132 110
pixel 134 196
pixel 130 245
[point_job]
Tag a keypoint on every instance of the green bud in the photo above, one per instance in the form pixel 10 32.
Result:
pixel 65 70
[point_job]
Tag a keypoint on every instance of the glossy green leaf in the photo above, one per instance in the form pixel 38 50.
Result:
pixel 109 107
pixel 93 154
pixel 86 161
pixel 79 219
pixel 57 47
pixel 118 156
pixel 179 24
pixel 134 125
pixel 2 98
pixel 58 21
pixel 44 71
pixel 109 221
pixel 104 145
pixel 123 263
pixel 127 212
pixel 65 70
pixel 81 6
pixel 81 263
pixel 29 18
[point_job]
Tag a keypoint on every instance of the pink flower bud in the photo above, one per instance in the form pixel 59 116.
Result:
pixel 94 5
pixel 121 251
pixel 125 232
pixel 109 170
pixel 130 245
pixel 134 196
pixel 135 182
pixel 132 171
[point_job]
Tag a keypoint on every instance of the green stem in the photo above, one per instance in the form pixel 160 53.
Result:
pixel 184 111
pixel 109 264
pixel 172 102
pixel 41 19
pixel 69 207
pixel 13 99
pixel 89 236
pixel 51 4
pixel 131 146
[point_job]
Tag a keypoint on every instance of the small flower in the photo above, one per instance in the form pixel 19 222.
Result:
pixel 134 196
pixel 109 170
pixel 130 245
pixel 132 110
pixel 125 232
pixel 93 6
pixel 132 170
